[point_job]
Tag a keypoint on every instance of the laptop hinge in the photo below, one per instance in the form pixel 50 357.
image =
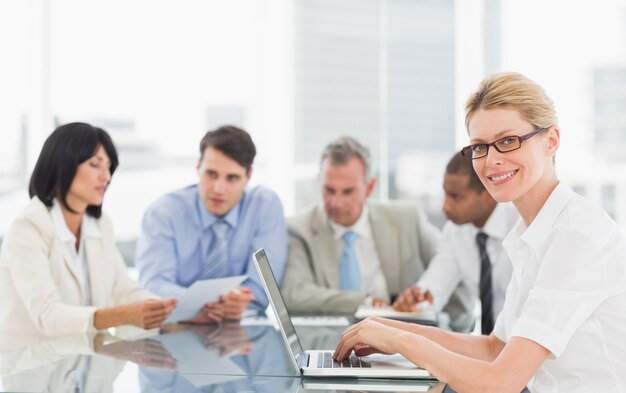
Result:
pixel 303 360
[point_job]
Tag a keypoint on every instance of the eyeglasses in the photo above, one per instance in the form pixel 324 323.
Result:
pixel 503 145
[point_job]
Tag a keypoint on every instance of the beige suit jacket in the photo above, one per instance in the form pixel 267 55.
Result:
pixel 405 242
pixel 40 291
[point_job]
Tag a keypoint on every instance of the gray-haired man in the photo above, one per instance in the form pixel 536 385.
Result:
pixel 353 251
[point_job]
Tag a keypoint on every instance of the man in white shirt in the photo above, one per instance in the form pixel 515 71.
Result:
pixel 476 221
pixel 349 251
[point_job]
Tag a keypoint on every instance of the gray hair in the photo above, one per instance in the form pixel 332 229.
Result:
pixel 342 149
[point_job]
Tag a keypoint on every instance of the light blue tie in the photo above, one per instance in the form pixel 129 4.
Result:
pixel 216 263
pixel 349 272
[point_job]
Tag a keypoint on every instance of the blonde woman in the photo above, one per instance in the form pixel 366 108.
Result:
pixel 60 271
pixel 562 325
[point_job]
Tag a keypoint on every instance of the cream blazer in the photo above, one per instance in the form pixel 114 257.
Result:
pixel 40 292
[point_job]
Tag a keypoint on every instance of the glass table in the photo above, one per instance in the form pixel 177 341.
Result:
pixel 230 357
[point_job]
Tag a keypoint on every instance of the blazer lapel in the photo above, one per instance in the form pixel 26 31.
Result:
pixel 325 247
pixel 71 266
pixel 386 240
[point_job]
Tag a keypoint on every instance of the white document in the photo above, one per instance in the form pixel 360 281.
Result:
pixel 423 315
pixel 320 321
pixel 200 293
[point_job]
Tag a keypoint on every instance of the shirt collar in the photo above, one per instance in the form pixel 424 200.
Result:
pixel 536 233
pixel 89 227
pixel 207 218
pixel 538 230
pixel 361 226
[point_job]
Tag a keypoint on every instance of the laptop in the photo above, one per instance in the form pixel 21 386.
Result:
pixel 316 363
pixel 370 385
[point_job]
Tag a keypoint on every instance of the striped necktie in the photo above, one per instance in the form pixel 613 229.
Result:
pixel 216 263
pixel 349 272
pixel 486 294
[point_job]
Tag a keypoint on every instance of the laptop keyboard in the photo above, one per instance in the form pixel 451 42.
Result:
pixel 326 361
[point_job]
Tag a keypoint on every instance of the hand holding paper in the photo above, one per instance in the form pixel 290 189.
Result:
pixel 236 302
pixel 199 294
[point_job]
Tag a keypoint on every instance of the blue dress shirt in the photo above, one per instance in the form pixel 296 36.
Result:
pixel 176 235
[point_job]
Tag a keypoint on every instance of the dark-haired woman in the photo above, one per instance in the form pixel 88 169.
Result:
pixel 60 271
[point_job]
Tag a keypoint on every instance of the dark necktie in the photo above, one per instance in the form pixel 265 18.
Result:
pixel 486 293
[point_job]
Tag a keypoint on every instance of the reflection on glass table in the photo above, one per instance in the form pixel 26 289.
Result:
pixel 229 357
pixel 58 365
pixel 76 373
pixel 226 357
pixel 201 354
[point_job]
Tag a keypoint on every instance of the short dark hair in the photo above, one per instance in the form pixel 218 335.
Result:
pixel 65 149
pixel 460 165
pixel 233 141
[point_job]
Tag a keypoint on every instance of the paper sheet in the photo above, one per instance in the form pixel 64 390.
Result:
pixel 320 321
pixel 199 293
pixel 424 315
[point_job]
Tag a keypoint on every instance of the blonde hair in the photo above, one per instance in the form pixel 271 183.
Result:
pixel 512 90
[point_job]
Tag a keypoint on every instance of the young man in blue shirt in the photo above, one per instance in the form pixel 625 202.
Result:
pixel 211 229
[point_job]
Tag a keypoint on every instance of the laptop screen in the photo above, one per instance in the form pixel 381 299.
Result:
pixel 277 303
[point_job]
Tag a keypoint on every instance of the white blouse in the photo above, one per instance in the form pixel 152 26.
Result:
pixel 89 229
pixel 568 294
